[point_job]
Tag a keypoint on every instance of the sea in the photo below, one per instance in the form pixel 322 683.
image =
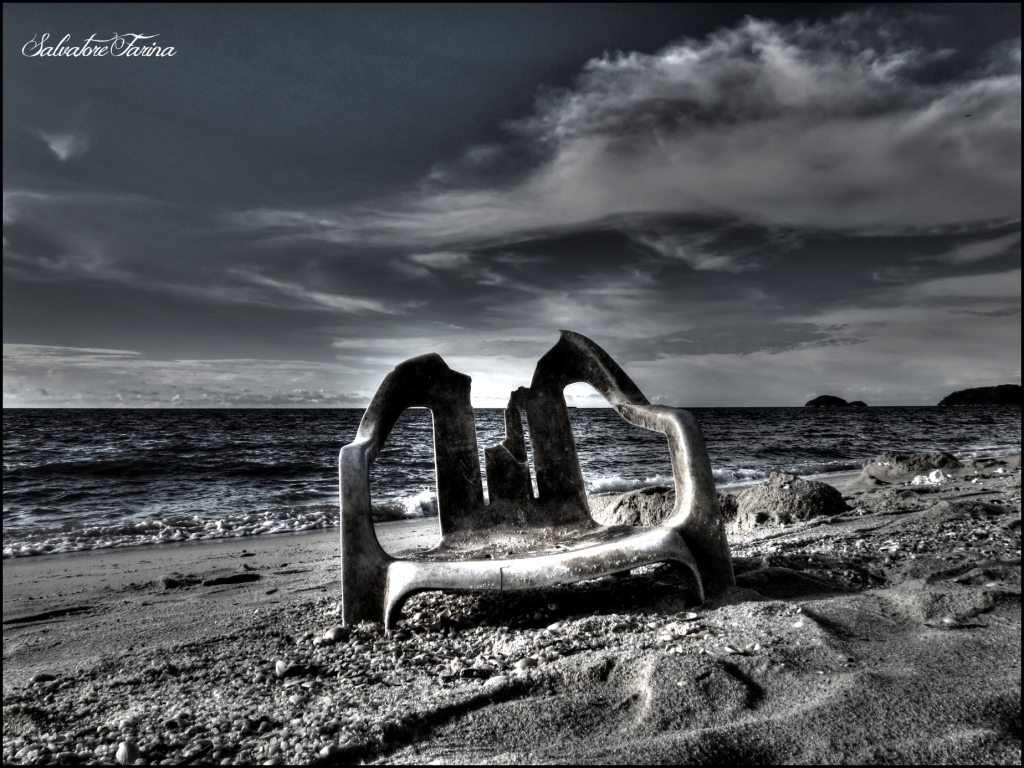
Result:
pixel 82 479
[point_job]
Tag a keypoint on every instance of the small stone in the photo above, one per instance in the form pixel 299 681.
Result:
pixel 335 634
pixel 43 677
pixel 127 753
pixel 526 663
pixel 493 682
pixel 329 750
pixel 281 668
pixel 555 627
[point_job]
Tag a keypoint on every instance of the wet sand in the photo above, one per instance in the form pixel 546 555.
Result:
pixel 890 633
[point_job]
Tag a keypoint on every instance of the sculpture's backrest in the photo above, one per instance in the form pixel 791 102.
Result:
pixel 561 498
pixel 428 382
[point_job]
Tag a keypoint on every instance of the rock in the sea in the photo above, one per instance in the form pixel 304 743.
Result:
pixel 1004 394
pixel 645 506
pixel 786 499
pixel 900 467
pixel 831 401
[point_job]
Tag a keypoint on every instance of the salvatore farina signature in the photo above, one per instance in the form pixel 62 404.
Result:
pixel 118 45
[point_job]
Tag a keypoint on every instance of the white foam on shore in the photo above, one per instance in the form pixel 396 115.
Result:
pixel 422 504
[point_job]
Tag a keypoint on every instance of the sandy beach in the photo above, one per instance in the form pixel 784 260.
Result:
pixel 889 633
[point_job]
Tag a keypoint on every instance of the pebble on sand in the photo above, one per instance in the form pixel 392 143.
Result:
pixel 127 753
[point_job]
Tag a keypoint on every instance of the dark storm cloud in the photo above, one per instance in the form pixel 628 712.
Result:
pixel 744 209
pixel 860 136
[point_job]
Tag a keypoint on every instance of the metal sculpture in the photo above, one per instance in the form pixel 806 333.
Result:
pixel 520 540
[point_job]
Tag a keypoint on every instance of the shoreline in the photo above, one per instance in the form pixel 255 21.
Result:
pixel 888 633
pixel 839 480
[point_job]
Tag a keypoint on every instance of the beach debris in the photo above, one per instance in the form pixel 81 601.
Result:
pixel 746 650
pixel 127 753
pixel 902 467
pixel 555 529
pixel 936 477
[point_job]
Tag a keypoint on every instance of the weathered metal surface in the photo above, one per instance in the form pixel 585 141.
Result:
pixel 520 540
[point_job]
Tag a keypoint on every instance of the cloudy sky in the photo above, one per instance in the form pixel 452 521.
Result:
pixel 748 204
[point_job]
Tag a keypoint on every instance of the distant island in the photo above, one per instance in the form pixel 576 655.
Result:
pixel 831 401
pixel 1004 394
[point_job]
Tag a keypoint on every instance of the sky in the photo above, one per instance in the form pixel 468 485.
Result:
pixel 744 204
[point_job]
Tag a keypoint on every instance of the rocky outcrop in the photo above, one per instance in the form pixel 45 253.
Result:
pixel 1004 394
pixel 645 506
pixel 899 467
pixel 785 499
pixel 831 401
pixel 781 499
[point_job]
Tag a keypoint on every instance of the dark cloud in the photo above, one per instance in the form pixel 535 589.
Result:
pixel 738 339
pixel 1005 312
